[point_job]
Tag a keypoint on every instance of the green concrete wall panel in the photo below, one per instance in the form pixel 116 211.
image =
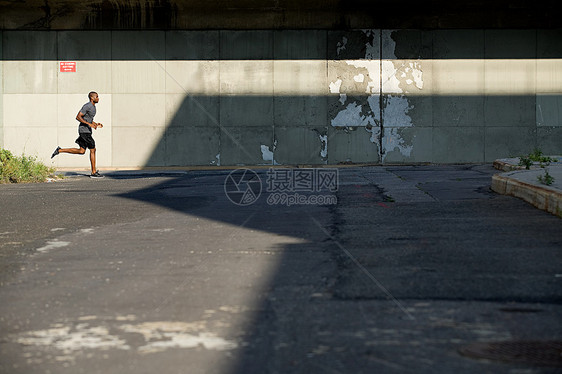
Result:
pixel 354 44
pixel 300 88
pixel 548 43
pixel 510 44
pixel 192 110
pixel 246 146
pixel 192 66
pixel 89 76
pixel 138 62
pixel 21 77
pixel 17 111
pixel 138 110
pixel 407 44
pixel 297 111
pixel 504 142
pixel 138 45
pixel 549 110
pixel 133 148
pixel 91 50
pixel 246 45
pixel 458 144
pixel 27 56
pixel 29 45
pixel 300 45
pixel 248 111
pixel 460 111
pixel 549 139
pixel 300 145
pixel 191 146
pixel 353 111
pixel 192 45
pixel 192 77
pixel 407 144
pixel 84 45
pixel 246 77
pixel 458 66
pixel 407 111
pixel 30 140
pixel 358 144
pixel 510 111
pixel 458 44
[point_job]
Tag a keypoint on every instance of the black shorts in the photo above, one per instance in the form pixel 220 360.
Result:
pixel 86 141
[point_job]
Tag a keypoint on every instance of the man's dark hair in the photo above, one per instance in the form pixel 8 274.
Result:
pixel 91 94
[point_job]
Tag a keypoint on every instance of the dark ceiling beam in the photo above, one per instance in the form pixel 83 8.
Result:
pixel 275 14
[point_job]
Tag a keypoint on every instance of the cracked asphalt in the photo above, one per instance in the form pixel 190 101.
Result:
pixel 156 272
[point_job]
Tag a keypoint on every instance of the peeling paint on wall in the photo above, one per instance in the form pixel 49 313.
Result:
pixel 388 44
pixel 373 68
pixel 375 134
pixel 324 149
pixel 352 116
pixel 396 110
pixel 393 141
pixel 335 86
pixel 399 78
pixel 361 87
pixel 267 153
pixel 371 48
pixel 341 45
pixel 359 78
pixel 217 162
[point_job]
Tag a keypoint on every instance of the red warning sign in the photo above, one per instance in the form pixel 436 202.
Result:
pixel 67 66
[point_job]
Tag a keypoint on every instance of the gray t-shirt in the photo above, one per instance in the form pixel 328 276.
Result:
pixel 89 111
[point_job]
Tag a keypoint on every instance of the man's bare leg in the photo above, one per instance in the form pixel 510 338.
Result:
pixel 76 151
pixel 93 159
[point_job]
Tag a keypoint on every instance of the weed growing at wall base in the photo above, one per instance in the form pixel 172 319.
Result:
pixel 535 156
pixel 546 178
pixel 23 169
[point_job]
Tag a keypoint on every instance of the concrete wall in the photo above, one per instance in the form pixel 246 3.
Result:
pixel 179 98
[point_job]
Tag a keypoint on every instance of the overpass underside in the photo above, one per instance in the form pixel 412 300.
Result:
pixel 185 83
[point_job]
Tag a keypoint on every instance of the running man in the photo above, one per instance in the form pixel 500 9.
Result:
pixel 86 118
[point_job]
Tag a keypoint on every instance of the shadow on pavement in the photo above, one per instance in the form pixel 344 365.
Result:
pixel 383 283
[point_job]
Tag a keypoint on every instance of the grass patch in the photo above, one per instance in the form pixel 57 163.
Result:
pixel 23 169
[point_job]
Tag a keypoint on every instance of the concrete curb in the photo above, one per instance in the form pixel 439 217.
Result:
pixel 505 165
pixel 543 198
pixel 523 184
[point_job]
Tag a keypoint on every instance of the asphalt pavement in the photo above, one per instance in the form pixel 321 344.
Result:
pixel 386 269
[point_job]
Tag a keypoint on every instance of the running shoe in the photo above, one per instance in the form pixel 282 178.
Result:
pixel 96 175
pixel 56 152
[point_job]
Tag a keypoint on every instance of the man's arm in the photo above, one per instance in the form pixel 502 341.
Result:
pixel 80 118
